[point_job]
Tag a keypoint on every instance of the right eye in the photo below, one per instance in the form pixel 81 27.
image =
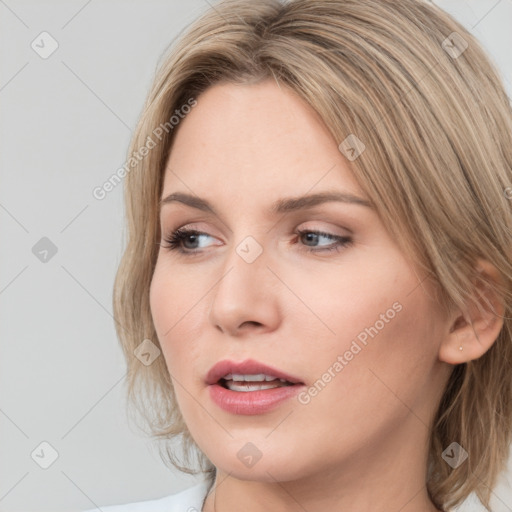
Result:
pixel 177 238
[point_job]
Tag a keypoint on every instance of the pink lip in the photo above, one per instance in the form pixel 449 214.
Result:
pixel 249 402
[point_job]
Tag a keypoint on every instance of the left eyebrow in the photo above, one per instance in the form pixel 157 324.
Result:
pixel 284 205
pixel 291 204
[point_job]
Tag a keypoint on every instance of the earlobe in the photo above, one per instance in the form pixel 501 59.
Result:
pixel 473 332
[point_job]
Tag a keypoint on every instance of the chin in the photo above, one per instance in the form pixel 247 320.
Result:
pixel 271 467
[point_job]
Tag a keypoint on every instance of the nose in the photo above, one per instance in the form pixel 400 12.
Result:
pixel 246 296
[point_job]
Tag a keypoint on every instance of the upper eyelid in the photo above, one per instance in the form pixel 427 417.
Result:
pixel 328 231
pixel 316 212
pixel 317 217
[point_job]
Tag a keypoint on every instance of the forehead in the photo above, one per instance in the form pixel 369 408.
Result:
pixel 254 139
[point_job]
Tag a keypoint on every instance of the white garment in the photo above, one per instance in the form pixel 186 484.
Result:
pixel 189 500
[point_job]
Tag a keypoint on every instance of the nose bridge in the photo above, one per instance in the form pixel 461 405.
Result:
pixel 241 295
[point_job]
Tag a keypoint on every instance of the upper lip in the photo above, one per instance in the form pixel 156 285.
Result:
pixel 247 367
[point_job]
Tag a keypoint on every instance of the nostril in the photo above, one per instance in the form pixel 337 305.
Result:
pixel 251 322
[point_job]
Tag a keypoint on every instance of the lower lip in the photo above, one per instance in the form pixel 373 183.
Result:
pixel 251 402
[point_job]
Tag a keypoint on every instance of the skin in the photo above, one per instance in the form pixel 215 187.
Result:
pixel 361 443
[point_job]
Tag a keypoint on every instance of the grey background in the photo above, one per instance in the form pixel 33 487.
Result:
pixel 65 126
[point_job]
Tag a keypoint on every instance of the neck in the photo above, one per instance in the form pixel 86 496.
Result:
pixel 228 493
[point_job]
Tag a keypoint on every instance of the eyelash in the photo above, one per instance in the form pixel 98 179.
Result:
pixel 176 237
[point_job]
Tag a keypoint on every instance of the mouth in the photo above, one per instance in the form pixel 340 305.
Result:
pixel 248 383
pixel 248 373
pixel 250 387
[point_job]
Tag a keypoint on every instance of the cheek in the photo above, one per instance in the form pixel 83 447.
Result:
pixel 174 306
pixel 388 342
pixel 373 312
pixel 345 300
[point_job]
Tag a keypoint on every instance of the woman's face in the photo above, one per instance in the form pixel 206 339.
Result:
pixel 357 325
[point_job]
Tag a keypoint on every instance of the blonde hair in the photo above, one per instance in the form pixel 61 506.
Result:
pixel 437 126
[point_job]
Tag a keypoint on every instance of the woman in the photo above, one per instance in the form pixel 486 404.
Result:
pixel 316 291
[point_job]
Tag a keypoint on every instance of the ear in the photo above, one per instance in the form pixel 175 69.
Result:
pixel 476 328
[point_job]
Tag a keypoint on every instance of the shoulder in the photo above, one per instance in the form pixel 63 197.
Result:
pixel 189 500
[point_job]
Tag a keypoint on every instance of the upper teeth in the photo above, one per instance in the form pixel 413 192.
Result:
pixel 260 377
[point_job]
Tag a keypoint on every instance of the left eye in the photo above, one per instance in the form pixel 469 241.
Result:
pixel 313 236
pixel 177 238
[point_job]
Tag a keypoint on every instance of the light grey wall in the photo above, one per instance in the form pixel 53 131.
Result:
pixel 65 126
